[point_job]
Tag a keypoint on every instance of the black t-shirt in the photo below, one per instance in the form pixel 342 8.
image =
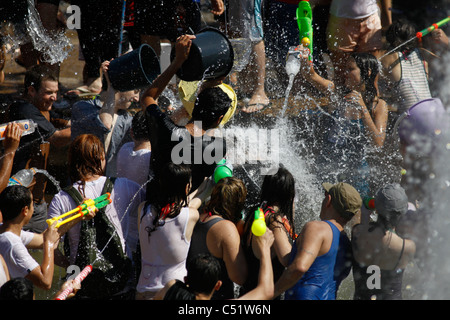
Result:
pixel 171 143
pixel 24 110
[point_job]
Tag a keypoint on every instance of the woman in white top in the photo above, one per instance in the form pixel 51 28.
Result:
pixel 166 224
pixel 86 168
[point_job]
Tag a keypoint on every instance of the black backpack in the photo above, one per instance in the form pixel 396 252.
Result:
pixel 100 245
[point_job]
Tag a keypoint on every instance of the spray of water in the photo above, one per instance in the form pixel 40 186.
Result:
pixel 54 48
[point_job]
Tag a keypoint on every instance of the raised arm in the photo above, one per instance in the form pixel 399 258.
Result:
pixel 13 134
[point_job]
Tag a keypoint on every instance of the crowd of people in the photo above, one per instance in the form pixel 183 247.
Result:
pixel 171 230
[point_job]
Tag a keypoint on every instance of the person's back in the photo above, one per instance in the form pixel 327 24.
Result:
pixel 391 263
pixel 216 233
pixel 318 282
pixel 316 269
pixel 405 71
pixel 377 244
pixel 164 250
pixel 199 245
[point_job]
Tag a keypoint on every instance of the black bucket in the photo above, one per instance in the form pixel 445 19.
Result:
pixel 211 56
pixel 135 70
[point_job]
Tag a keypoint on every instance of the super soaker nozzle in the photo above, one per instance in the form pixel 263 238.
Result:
pixel 259 224
pixel 223 170
pixel 369 203
pixel 304 21
pixel 80 277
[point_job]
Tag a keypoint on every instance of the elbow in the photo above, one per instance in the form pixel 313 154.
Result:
pixel 45 284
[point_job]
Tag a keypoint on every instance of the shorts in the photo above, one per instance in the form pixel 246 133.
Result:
pixel 245 19
pixel 167 19
pixel 354 35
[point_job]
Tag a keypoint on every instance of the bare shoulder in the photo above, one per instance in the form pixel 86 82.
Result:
pixel 224 227
pixel 315 227
pixel 193 214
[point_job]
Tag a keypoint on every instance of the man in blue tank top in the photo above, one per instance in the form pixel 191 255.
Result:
pixel 321 256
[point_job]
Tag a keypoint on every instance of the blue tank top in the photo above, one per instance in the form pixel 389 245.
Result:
pixel 322 279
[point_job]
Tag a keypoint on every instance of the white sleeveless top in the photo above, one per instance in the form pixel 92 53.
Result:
pixel 353 9
pixel 164 253
pixel 413 85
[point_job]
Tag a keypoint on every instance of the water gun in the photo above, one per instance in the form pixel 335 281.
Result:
pixel 259 224
pixel 223 170
pixel 304 21
pixel 83 209
pixel 83 274
pixel 434 26
pixel 369 203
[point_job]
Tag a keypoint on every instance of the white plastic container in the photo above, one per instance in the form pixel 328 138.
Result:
pixel 28 126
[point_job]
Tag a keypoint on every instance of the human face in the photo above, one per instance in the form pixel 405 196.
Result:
pixel 125 99
pixel 44 98
pixel 353 75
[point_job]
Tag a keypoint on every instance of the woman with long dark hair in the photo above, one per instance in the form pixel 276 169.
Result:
pixel 277 202
pixel 358 119
pixel 166 223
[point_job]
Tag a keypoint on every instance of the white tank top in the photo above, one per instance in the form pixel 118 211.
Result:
pixel 353 9
pixel 164 253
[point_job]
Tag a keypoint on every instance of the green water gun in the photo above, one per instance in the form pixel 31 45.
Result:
pixel 434 26
pixel 83 209
pixel 304 21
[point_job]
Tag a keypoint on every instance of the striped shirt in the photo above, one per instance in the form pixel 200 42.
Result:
pixel 413 85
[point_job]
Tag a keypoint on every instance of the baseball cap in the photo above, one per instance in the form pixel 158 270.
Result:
pixel 391 199
pixel 344 198
pixel 188 90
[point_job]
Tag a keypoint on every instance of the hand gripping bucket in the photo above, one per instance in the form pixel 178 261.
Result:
pixel 134 70
pixel 211 57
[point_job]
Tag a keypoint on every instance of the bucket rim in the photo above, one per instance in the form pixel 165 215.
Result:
pixel 155 59
pixel 209 28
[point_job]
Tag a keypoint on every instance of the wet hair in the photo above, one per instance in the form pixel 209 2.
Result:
pixel 169 192
pixel 12 200
pixel 17 289
pixel 277 189
pixel 400 31
pixel 203 272
pixel 38 74
pixel 210 105
pixel 139 125
pixel 86 153
pixel 369 66
pixel 227 199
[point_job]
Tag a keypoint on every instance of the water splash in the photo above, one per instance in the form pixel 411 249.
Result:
pixel 49 177
pixel 288 91
pixel 54 48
